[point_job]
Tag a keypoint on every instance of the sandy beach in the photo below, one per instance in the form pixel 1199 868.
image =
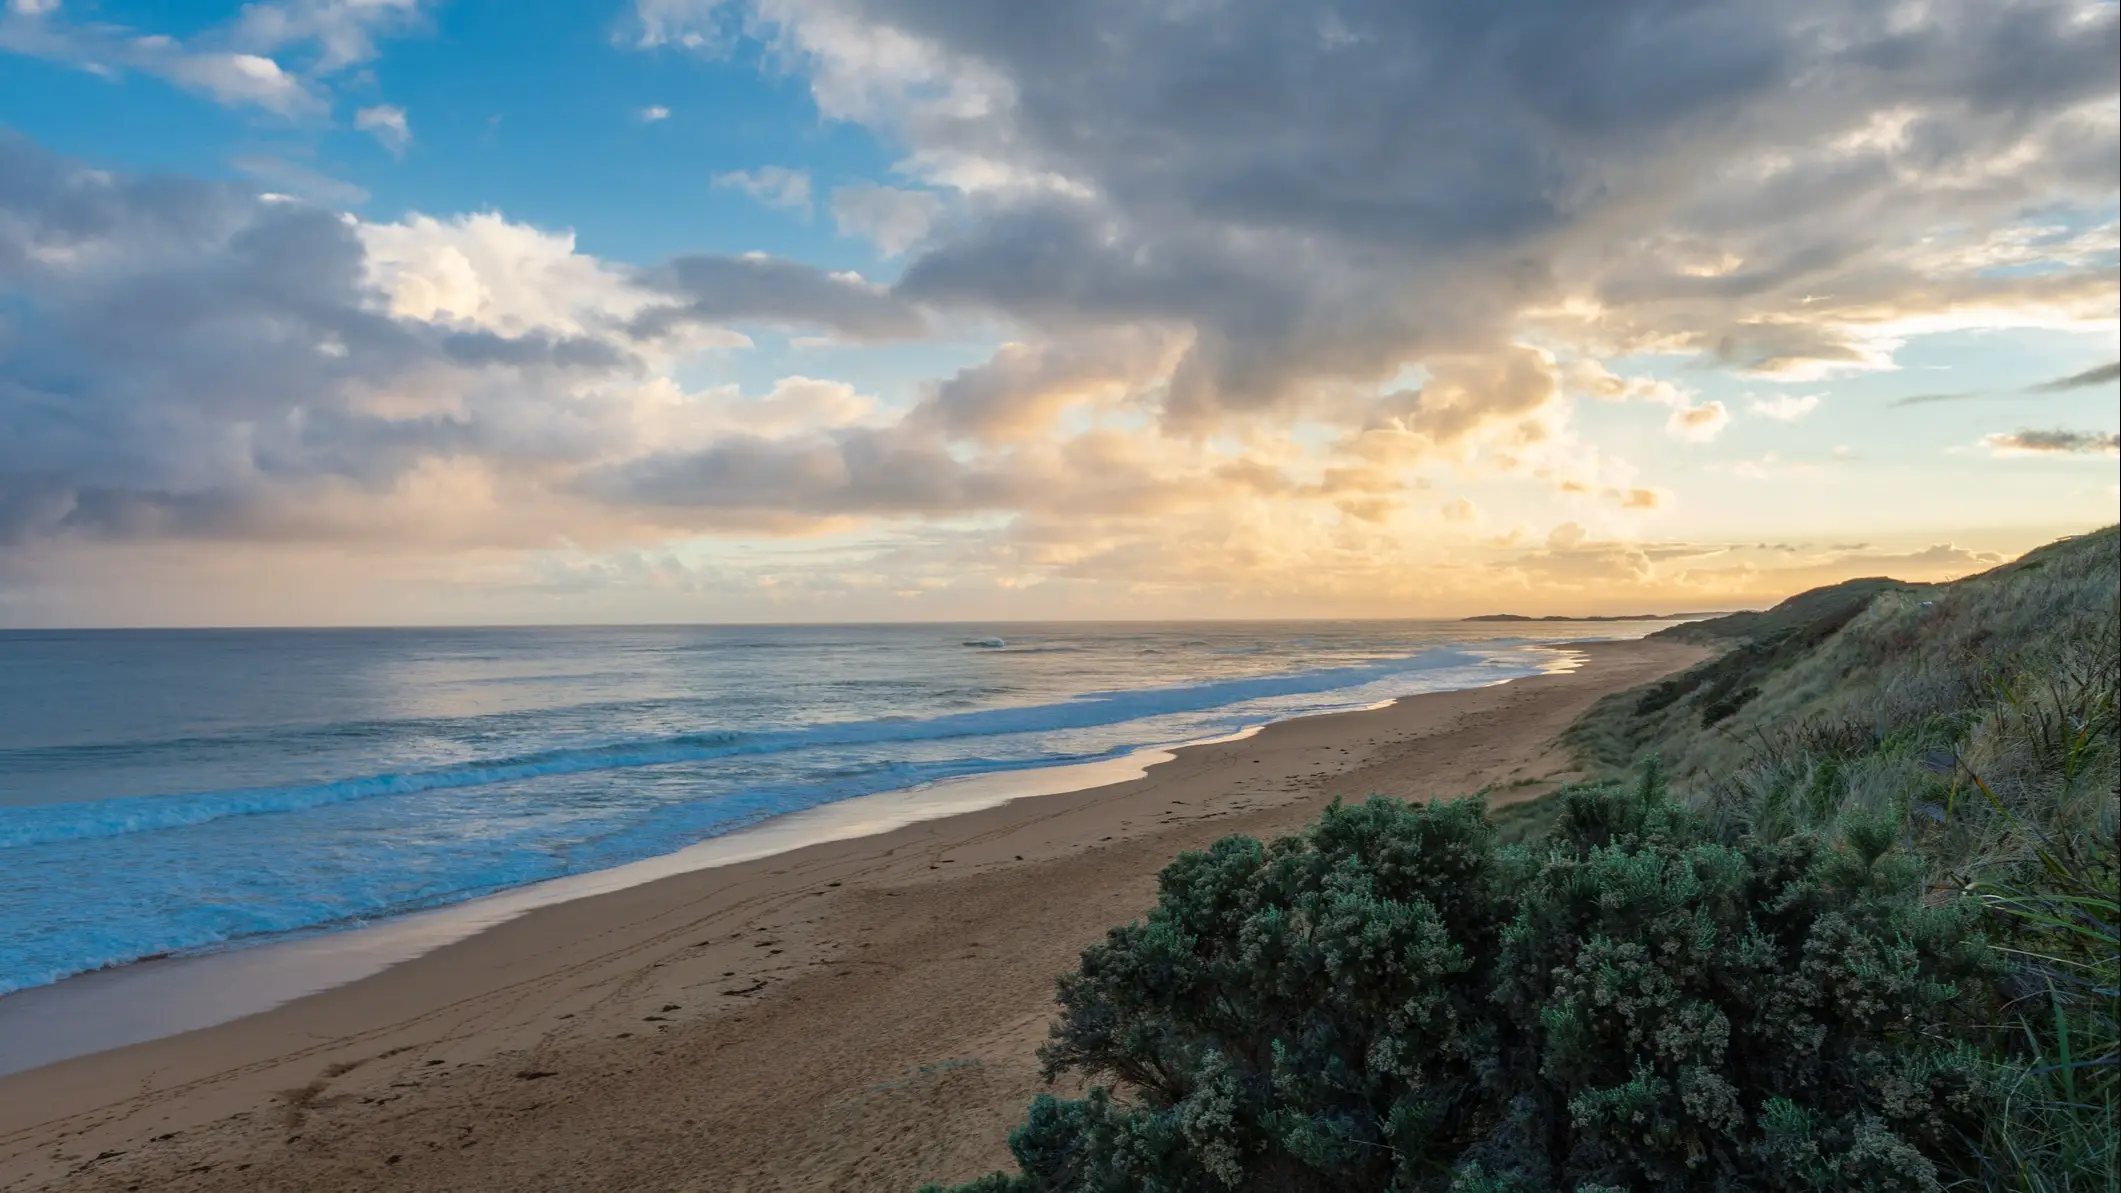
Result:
pixel 861 1014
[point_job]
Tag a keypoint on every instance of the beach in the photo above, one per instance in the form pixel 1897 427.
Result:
pixel 857 1014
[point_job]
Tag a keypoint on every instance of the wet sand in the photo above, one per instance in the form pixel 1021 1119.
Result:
pixel 858 1014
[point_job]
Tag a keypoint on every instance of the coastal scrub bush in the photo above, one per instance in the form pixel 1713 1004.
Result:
pixel 1876 944
pixel 1391 1001
pixel 1980 720
pixel 1995 752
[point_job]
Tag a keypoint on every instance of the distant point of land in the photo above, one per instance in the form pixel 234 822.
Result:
pixel 1620 617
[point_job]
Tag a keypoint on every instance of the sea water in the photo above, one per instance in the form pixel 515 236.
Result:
pixel 172 791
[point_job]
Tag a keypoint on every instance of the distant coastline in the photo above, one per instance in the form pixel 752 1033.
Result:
pixel 1620 617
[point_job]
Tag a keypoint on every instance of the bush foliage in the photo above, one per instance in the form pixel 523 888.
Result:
pixel 1872 944
pixel 1389 1001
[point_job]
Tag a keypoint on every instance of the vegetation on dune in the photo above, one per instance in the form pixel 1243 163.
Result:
pixel 1391 1002
pixel 1979 720
pixel 1835 601
pixel 1864 938
pixel 1870 653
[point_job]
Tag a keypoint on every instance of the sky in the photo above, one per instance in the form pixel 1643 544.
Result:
pixel 320 312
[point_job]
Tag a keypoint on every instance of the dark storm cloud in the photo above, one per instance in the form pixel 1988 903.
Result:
pixel 1324 193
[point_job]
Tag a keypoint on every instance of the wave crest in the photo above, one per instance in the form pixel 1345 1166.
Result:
pixel 35 825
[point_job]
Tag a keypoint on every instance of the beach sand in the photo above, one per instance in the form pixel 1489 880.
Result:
pixel 855 1015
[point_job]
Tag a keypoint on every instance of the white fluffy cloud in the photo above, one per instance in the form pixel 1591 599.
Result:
pixel 483 272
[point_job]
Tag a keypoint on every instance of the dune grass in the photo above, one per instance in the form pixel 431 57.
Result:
pixel 1977 722
pixel 1884 821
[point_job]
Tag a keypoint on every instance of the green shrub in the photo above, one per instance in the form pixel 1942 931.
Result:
pixel 1389 1001
pixel 1782 981
pixel 1979 720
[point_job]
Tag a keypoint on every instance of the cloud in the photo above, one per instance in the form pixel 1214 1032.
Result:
pixel 1787 408
pixel 775 186
pixel 2058 442
pixel 297 179
pixel 1714 575
pixel 386 123
pixel 1461 509
pixel 201 362
pixel 794 405
pixel 337 33
pixel 1022 390
pixel 242 63
pixel 652 113
pixel 688 24
pixel 1507 398
pixel 855 472
pixel 192 361
pixel 1697 423
pixel 1251 308
pixel 2105 374
pixel 1782 189
pixel 1593 378
pixel 481 272
pixel 717 289
pixel 236 79
pixel 893 220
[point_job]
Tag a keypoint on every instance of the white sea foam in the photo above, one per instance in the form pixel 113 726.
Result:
pixel 115 817
pixel 378 773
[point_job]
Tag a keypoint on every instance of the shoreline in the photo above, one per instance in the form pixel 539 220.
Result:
pixel 156 997
pixel 1425 667
pixel 166 994
pixel 907 938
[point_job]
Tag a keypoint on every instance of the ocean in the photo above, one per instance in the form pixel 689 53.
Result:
pixel 166 792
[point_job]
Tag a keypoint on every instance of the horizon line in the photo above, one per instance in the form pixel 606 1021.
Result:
pixel 1019 621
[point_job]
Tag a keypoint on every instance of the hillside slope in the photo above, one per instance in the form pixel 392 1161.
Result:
pixel 1845 599
pixel 1866 940
pixel 1873 652
pixel 1973 725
